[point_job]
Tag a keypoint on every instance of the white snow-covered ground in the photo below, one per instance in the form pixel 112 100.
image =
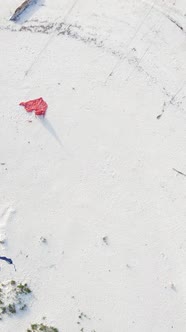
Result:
pixel 97 176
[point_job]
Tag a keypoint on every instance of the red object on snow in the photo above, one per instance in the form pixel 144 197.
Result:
pixel 37 105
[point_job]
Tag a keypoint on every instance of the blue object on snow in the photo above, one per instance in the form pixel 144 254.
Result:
pixel 21 9
pixel 8 260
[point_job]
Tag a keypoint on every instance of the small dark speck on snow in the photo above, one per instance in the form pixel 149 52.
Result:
pixel 43 239
pixel 105 240
pixel 159 116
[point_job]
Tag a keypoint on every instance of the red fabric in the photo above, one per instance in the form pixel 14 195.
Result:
pixel 37 105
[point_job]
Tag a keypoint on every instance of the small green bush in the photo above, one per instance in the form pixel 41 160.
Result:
pixel 42 328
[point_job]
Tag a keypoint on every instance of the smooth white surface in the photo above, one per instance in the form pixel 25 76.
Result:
pixel 100 163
